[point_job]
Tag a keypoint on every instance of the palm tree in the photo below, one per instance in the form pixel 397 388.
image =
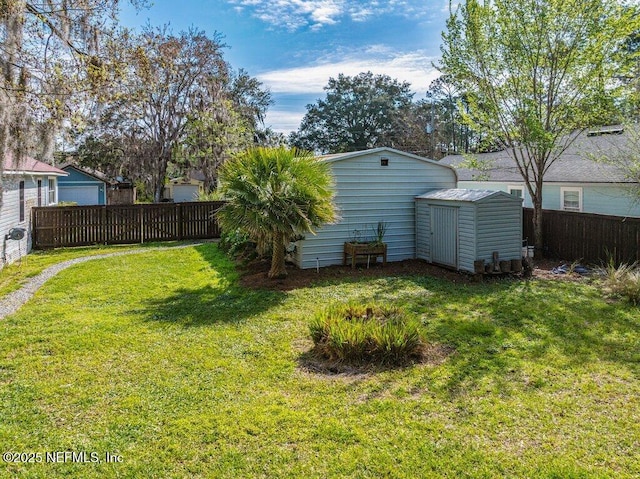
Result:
pixel 275 194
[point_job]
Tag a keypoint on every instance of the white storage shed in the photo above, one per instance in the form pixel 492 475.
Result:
pixel 456 227
pixel 377 185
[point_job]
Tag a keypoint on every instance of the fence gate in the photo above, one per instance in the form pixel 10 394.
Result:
pixel 444 235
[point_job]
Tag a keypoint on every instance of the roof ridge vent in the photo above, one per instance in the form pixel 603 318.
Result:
pixel 606 131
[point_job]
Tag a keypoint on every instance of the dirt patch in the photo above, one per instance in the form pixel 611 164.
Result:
pixel 312 362
pixel 254 275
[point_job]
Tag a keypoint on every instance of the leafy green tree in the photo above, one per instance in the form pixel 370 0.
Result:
pixel 359 112
pixel 535 73
pixel 273 195
pixel 212 136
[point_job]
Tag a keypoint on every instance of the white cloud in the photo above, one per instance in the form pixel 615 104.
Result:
pixel 296 87
pixel 413 67
pixel 283 121
pixel 296 14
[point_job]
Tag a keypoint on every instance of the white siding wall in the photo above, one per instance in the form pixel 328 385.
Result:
pixel 485 226
pixel 466 231
pixel 499 229
pixel 12 250
pixel 367 193
pixel 467 238
pixel 423 230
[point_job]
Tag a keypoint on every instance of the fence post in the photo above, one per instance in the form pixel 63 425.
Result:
pixel 103 225
pixel 34 229
pixel 141 225
pixel 179 216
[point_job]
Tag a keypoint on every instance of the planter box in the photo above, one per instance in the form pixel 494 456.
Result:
pixel 364 249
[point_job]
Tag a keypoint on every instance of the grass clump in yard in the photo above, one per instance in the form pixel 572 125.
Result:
pixel 366 333
pixel 623 281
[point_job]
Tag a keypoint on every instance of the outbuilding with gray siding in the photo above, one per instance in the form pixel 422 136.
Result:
pixel 371 186
pixel 456 227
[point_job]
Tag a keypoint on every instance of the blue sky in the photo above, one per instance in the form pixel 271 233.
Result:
pixel 294 46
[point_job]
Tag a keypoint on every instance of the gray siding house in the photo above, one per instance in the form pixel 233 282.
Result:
pixel 456 227
pixel 25 184
pixel 378 185
pixel 574 182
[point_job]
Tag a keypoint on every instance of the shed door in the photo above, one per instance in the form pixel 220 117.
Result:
pixel 444 235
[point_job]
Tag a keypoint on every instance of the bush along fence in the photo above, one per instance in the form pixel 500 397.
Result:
pixel 586 237
pixel 57 226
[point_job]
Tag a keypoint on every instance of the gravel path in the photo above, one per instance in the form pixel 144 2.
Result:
pixel 10 303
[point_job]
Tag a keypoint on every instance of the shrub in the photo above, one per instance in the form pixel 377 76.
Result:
pixel 623 281
pixel 238 245
pixel 372 333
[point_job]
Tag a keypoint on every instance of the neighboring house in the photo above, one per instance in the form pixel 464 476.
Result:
pixel 186 188
pixel 574 182
pixel 372 186
pixel 25 184
pixel 82 186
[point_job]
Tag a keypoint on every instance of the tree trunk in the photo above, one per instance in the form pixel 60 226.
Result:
pixel 157 192
pixel 278 269
pixel 538 240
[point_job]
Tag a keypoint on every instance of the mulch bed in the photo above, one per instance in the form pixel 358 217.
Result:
pixel 254 275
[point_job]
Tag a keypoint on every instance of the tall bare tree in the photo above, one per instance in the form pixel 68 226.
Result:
pixel 166 79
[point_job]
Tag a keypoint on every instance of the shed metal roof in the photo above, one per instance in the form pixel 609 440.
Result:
pixel 460 194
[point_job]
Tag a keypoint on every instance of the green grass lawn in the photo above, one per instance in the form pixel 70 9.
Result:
pixel 16 274
pixel 162 359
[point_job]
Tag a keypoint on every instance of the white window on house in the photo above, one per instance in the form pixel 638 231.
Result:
pixel 517 191
pixel 52 191
pixel 571 198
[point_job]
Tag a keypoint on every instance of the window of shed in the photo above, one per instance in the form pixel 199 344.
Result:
pixel 21 193
pixel 384 161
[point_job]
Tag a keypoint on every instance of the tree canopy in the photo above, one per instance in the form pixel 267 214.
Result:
pixel 537 72
pixel 51 59
pixel 358 112
pixel 174 100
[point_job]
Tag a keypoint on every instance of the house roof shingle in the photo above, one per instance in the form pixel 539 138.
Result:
pixel 575 165
pixel 30 165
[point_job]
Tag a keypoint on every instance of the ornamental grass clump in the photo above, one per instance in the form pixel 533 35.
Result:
pixel 360 333
pixel 623 281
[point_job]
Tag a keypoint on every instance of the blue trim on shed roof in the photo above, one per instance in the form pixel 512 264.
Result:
pixel 459 194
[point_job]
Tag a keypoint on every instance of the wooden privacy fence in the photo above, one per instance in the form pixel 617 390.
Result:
pixel 57 226
pixel 586 237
